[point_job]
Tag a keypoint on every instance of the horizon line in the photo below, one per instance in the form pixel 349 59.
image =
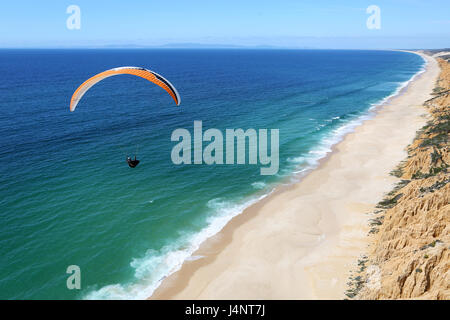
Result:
pixel 208 48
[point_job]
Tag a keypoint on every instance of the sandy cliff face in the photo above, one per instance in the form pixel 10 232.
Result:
pixel 409 255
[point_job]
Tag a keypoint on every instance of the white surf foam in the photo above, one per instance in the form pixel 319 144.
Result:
pixel 259 185
pixel 155 266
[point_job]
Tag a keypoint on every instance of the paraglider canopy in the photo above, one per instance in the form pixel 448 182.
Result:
pixel 140 72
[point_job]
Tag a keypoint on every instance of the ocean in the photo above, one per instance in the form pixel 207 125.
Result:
pixel 67 196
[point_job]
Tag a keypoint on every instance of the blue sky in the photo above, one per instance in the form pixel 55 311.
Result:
pixel 296 23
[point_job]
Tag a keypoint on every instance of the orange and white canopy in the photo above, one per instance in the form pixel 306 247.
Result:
pixel 140 72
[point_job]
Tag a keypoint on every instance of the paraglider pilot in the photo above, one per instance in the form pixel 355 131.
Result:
pixel 132 163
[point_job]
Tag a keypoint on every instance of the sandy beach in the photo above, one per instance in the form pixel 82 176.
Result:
pixel 301 241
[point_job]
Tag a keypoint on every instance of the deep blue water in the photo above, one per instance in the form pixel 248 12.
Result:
pixel 67 196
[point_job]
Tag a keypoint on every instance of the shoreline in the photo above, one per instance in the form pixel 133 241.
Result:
pixel 240 263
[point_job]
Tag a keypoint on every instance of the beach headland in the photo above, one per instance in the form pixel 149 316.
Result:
pixel 302 240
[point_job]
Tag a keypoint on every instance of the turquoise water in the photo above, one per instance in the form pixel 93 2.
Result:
pixel 67 196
